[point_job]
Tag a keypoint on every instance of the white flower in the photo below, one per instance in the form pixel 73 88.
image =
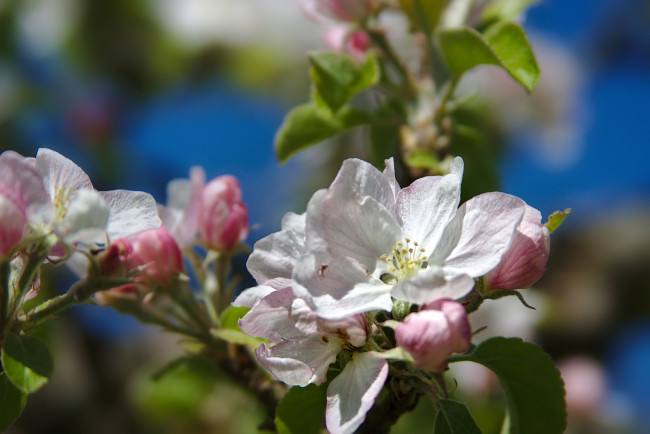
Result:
pixel 367 241
pixel 302 347
pixel 79 213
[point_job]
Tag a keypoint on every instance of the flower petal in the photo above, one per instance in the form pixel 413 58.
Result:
pixel 275 255
pixel 184 197
pixel 250 296
pixel 479 234
pixel 21 182
pixel 58 171
pixel 131 212
pixel 354 226
pixel 85 218
pixel 339 288
pixel 299 361
pixel 358 178
pixel 427 205
pixel 353 392
pixel 270 318
pixel 432 284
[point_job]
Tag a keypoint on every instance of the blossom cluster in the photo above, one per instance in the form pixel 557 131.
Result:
pixel 125 232
pixel 368 256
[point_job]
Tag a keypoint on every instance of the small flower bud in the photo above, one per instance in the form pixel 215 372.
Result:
pixel 525 261
pixel 159 256
pixel 434 333
pixel 12 225
pixel 223 217
pixel 116 259
pixel 356 43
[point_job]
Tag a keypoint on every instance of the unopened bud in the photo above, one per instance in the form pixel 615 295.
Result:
pixel 525 261
pixel 157 253
pixel 223 217
pixel 434 333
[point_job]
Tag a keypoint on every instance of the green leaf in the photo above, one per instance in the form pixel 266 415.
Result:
pixel 230 317
pixel 307 124
pixel 531 383
pixel 454 418
pixel 505 10
pixel 12 402
pixel 421 12
pixel 505 45
pixel 27 362
pixel 509 42
pixel 556 219
pixel 302 410
pixel 337 77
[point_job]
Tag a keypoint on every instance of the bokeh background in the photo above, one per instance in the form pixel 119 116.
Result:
pixel 138 91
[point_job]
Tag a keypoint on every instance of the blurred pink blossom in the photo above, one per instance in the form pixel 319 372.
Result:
pixel 341 39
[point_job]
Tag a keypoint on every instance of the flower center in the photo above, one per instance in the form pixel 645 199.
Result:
pixel 60 201
pixel 405 261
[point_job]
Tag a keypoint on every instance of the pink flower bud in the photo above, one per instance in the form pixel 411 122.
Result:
pixel 338 38
pixel 525 261
pixel 434 333
pixel 116 259
pixel 223 217
pixel 347 10
pixel 13 224
pixel 159 256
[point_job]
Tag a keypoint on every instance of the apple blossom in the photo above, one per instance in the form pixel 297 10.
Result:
pixel 434 333
pixel 158 255
pixel 304 345
pixel 223 217
pixel 368 241
pixel 525 261
pixel 180 216
pixel 79 213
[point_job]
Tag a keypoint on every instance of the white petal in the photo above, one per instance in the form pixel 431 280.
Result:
pixel 299 361
pixel 358 227
pixel 353 392
pixel 275 255
pixel 295 223
pixel 187 225
pixel 360 178
pixel 427 205
pixel 58 171
pixel 432 284
pixel 250 296
pixel 389 175
pixel 339 288
pixel 270 317
pixel 131 212
pixel 479 234
pixel 85 217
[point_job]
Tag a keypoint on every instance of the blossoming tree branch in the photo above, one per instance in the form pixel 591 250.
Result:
pixel 365 298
